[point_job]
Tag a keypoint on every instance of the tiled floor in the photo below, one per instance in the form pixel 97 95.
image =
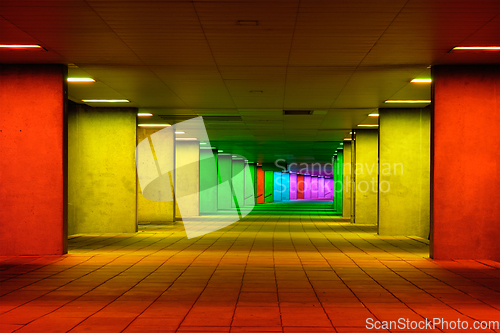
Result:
pixel 279 270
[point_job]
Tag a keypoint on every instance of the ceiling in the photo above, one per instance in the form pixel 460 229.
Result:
pixel 340 58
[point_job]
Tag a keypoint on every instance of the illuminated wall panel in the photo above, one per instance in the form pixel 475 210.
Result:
pixel 268 186
pixel 208 181
pixel 300 186
pixel 260 179
pixel 285 184
pixel 307 187
pixel 321 188
pixel 314 187
pixel 277 187
pixel 293 186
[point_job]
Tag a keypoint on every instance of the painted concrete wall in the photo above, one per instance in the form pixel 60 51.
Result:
pixel 277 186
pixel 208 181
pixel 158 212
pixel 293 186
pixel 34 160
pixel 225 195
pixel 404 176
pixel 268 186
pixel 347 185
pixel 366 176
pixel 466 155
pixel 285 183
pixel 321 188
pixel 260 199
pixel 314 187
pixel 187 178
pixel 339 178
pixel 250 184
pixel 238 181
pixel 101 173
pixel 300 186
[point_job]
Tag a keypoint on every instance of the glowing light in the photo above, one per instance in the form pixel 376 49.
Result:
pixel 186 139
pixel 421 81
pixel 20 46
pixel 144 114
pixel 80 79
pixel 476 48
pixel 411 101
pixel 373 115
pixel 180 132
pixel 105 100
pixel 154 125
pixel 368 125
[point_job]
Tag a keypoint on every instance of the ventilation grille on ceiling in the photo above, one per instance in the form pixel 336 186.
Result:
pixel 297 112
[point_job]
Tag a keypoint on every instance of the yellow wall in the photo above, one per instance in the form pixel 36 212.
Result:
pixel 101 170
pixel 157 212
pixel 366 176
pixel 404 193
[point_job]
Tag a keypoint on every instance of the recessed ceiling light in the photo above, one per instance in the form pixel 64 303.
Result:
pixel 368 125
pixel 80 79
pixel 105 100
pixel 20 46
pixel 373 115
pixel 186 139
pixel 476 48
pixel 154 125
pixel 143 114
pixel 347 139
pixel 180 132
pixel 220 151
pixel 203 143
pixel 421 80
pixel 411 101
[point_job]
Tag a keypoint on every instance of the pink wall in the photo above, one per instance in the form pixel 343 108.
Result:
pixel 466 173
pixel 33 165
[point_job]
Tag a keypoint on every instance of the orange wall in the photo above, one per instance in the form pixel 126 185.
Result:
pixel 466 174
pixel 32 167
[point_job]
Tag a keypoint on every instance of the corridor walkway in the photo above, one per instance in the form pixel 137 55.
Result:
pixel 295 268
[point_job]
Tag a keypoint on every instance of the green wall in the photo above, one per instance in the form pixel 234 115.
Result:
pixel 404 180
pixel 101 170
pixel 208 181
pixel 346 188
pixel 366 169
pixel 338 181
pixel 268 186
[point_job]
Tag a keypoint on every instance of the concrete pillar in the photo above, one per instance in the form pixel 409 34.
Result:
pixel 225 196
pixel 250 182
pixel 238 182
pixel 102 172
pixel 277 187
pixel 329 188
pixel 466 154
pixel 314 187
pixel 347 184
pixel 269 186
pixel 338 175
pixel 285 184
pixel 321 188
pixel 404 176
pixel 293 186
pixel 187 178
pixel 160 211
pixel 208 181
pixel 366 176
pixel 33 167
pixel 307 187
pixel 260 185
pixel 300 186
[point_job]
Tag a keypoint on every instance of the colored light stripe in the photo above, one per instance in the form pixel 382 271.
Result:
pixel 144 115
pixel 421 80
pixel 80 79
pixel 20 46
pixel 478 48
pixel 105 100
pixel 407 101
pixel 373 115
pixel 368 125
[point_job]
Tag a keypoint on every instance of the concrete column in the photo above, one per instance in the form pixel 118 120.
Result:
pixel 366 176
pixel 33 167
pixel 307 187
pixel 250 174
pixel 300 186
pixel 321 188
pixel 208 181
pixel 314 187
pixel 404 176
pixel 269 187
pixel 347 184
pixel 159 211
pixel 285 184
pixel 187 178
pixel 260 185
pixel 338 173
pixel 293 186
pixel 466 155
pixel 238 182
pixel 329 188
pixel 225 196
pixel 102 172
pixel 277 187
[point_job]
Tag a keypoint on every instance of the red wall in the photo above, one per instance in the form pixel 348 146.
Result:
pixel 466 173
pixel 32 167
pixel 300 186
pixel 260 185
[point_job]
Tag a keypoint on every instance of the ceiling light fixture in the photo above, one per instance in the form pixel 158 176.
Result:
pixel 476 48
pixel 347 139
pixel 143 114
pixel 186 139
pixel 410 101
pixel 421 81
pixel 105 100
pixel 80 79
pixel 180 132
pixel 154 125
pixel 20 46
pixel 203 143
pixel 220 151
pixel 368 125
pixel 373 115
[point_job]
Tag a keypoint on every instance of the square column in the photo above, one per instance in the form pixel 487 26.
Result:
pixel 347 185
pixel 33 167
pixel 366 177
pixel 293 186
pixel 466 154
